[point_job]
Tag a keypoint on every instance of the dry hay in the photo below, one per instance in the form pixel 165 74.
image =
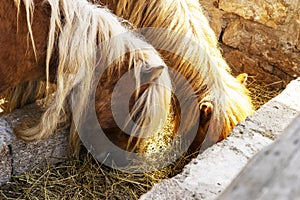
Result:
pixel 261 93
pixel 84 178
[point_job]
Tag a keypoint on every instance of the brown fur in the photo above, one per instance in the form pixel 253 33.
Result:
pixel 18 61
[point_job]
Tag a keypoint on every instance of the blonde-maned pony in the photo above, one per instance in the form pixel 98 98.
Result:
pixel 76 29
pixel 202 64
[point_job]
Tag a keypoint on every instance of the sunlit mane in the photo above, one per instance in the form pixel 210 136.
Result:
pixel 90 35
pixel 206 70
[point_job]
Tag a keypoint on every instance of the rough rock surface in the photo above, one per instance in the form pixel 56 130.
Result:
pixel 17 156
pixel 259 37
pixel 213 170
pixel 5 161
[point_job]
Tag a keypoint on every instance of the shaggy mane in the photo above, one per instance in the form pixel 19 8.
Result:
pixel 206 70
pixel 88 36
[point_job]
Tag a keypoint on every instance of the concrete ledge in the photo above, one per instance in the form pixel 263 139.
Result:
pixel 18 156
pixel 213 170
pixel 272 173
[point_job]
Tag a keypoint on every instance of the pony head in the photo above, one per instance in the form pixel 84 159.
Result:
pixel 134 104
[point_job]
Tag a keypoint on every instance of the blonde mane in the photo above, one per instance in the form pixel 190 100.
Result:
pixel 206 67
pixel 85 32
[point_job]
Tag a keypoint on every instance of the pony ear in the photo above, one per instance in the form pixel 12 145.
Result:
pixel 206 109
pixel 149 73
pixel 242 78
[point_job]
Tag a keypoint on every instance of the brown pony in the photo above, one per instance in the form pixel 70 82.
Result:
pixel 201 62
pixel 66 42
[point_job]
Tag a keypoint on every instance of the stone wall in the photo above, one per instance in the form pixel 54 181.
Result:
pixel 259 37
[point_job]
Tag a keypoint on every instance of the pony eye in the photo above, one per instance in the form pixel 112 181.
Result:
pixel 147 66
